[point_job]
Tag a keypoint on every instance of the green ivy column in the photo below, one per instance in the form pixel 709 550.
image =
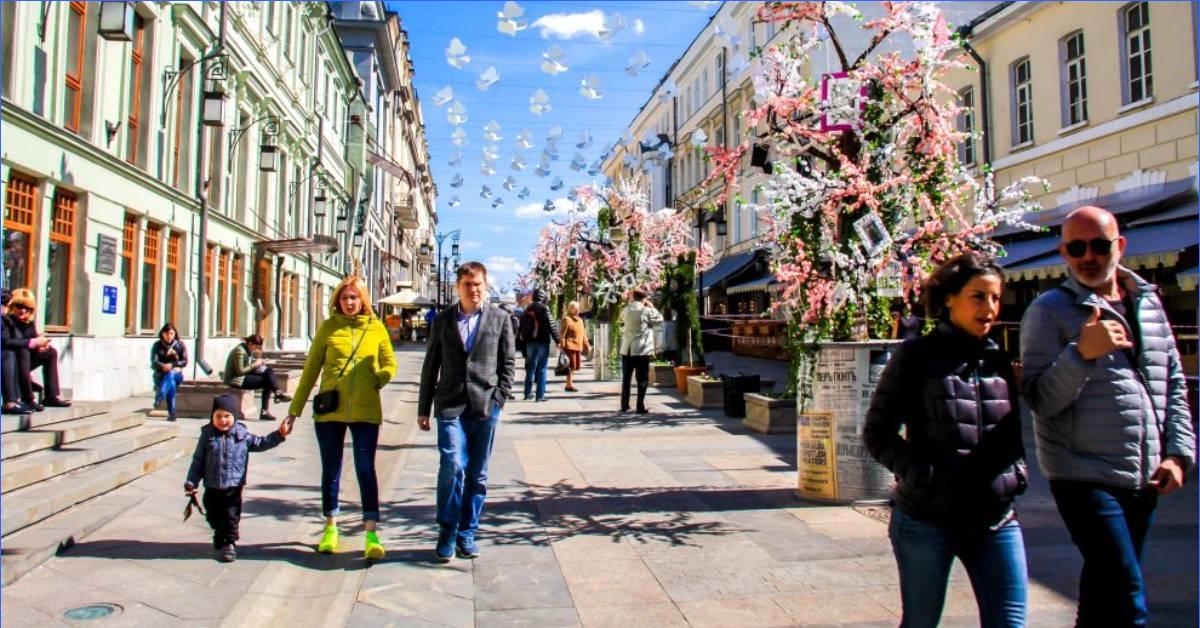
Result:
pixel 681 297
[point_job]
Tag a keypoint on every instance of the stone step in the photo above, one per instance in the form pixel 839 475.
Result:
pixel 50 416
pixel 25 550
pixel 43 465
pixel 27 506
pixel 91 427
pixel 21 443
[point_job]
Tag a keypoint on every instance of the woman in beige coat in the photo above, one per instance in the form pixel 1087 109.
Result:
pixel 574 342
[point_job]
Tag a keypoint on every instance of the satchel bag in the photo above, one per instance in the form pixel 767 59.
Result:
pixel 564 364
pixel 327 401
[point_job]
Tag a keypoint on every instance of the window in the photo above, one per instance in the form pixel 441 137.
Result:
pixel 62 243
pixel 216 177
pixel 128 270
pixel 171 291
pixel 285 309
pixel 1074 80
pixel 8 17
pixel 183 119
pixel 271 17
pixel 150 277
pixel 235 296
pixel 966 125
pixel 20 209
pixel 209 273
pixel 704 90
pixel 76 44
pixel 223 294
pixel 287 30
pixel 294 320
pixel 772 28
pixel 135 94
pixel 719 68
pixel 1022 102
pixel 1137 69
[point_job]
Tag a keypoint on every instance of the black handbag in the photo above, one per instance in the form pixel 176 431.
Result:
pixel 327 401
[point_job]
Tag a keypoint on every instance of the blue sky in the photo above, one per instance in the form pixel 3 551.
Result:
pixel 504 236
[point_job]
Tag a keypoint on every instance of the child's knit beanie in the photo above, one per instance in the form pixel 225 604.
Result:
pixel 228 403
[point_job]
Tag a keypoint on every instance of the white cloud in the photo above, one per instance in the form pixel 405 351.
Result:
pixel 499 228
pixel 472 244
pixel 571 25
pixel 639 26
pixel 501 265
pixel 535 210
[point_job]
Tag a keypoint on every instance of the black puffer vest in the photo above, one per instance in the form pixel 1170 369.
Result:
pixel 961 462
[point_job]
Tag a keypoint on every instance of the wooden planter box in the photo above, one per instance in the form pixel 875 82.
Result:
pixel 705 393
pixel 662 375
pixel 770 416
pixel 682 373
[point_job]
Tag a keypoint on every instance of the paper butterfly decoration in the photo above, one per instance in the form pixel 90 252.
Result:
pixel 456 54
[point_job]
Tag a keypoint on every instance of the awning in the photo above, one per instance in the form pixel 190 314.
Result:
pixel 727 267
pixel 315 244
pixel 762 283
pixel 1187 279
pixel 1147 198
pixel 390 167
pixel 406 298
pixel 1148 246
pixel 1187 210
pixel 1017 252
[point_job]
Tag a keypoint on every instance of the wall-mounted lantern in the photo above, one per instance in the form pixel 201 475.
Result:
pixel 358 239
pixel 320 202
pixel 116 21
pixel 342 221
pixel 214 95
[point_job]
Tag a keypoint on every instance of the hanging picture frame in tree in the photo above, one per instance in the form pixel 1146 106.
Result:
pixel 872 234
pixel 843 100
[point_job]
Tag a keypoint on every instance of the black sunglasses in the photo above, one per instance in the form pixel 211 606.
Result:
pixel 1099 246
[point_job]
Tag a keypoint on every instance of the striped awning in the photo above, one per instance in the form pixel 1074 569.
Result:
pixel 1148 246
pixel 1187 279
pixel 760 284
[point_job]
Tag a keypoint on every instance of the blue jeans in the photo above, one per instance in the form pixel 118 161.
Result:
pixel 331 440
pixel 1109 527
pixel 995 562
pixel 465 444
pixel 165 385
pixel 536 357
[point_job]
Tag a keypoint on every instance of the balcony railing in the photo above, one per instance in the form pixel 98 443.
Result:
pixel 406 211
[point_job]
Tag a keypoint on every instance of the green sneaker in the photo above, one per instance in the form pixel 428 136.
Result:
pixel 329 540
pixel 374 549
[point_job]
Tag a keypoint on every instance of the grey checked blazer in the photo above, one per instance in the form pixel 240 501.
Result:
pixel 453 381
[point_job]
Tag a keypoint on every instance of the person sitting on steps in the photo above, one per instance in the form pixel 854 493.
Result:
pixel 243 371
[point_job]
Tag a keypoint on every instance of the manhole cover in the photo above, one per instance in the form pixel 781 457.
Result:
pixel 92 611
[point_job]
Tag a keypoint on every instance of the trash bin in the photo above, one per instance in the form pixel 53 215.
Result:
pixel 735 387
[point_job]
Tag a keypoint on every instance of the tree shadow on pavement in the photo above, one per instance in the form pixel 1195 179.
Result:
pixel 295 553
pixel 609 421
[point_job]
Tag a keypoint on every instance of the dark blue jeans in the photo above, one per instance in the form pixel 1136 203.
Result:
pixel 995 562
pixel 465 444
pixel 1109 527
pixel 536 357
pixel 331 440
pixel 165 385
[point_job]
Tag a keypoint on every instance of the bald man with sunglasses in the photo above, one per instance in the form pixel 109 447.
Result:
pixel 1102 376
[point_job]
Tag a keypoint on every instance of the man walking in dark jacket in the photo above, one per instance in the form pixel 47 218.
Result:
pixel 465 380
pixel 1102 376
pixel 538 330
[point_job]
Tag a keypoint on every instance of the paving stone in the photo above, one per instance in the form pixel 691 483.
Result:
pixel 834 607
pixel 662 615
pixel 508 587
pixel 563 617
pixel 600 582
pixel 758 611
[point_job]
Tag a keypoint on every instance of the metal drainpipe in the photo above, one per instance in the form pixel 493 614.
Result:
pixel 311 218
pixel 202 196
pixel 984 108
pixel 278 305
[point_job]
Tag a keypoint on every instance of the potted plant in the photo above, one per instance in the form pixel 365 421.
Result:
pixel 770 413
pixel 705 391
pixel 662 373
pixel 681 300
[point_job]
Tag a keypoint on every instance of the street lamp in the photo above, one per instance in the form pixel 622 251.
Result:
pixel 342 221
pixel 319 204
pixel 214 96
pixel 441 237
pixel 358 239
pixel 116 21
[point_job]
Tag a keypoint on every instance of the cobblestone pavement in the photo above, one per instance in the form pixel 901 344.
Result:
pixel 674 518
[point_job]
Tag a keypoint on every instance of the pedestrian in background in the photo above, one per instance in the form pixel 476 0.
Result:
pixel 168 356
pixel 33 350
pixel 961 462
pixel 538 331
pixel 1102 376
pixel 220 460
pixel 639 320
pixel 8 346
pixel 352 353
pixel 574 342
pixel 243 370
pixel 465 380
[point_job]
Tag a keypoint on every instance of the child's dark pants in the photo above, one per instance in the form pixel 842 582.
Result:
pixel 223 509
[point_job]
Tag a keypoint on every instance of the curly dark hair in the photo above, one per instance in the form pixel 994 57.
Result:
pixel 951 276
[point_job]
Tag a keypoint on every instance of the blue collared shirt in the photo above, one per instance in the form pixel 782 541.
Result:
pixel 468 326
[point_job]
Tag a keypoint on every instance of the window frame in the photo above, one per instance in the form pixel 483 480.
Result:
pixel 235 291
pixel 28 189
pixel 183 115
pixel 1067 64
pixel 222 303
pixel 74 82
pixel 1015 101
pixel 137 53
pixel 152 245
pixel 171 290
pixel 966 124
pixel 1145 53
pixel 63 221
pixel 130 232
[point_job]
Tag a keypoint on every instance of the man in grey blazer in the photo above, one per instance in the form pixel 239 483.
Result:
pixel 465 380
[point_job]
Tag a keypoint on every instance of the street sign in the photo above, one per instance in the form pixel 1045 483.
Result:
pixel 106 254
pixel 109 301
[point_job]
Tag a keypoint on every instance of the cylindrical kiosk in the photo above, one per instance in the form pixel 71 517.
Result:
pixel 834 464
pixel 602 370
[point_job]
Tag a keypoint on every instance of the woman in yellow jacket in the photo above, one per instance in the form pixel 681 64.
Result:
pixel 353 354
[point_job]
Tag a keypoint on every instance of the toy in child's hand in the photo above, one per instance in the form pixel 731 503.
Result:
pixel 192 503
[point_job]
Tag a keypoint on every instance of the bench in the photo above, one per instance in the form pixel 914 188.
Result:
pixel 194 398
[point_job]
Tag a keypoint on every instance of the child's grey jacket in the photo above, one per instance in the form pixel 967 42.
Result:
pixel 221 459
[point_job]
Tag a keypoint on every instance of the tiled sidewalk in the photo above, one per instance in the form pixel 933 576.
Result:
pixel 678 517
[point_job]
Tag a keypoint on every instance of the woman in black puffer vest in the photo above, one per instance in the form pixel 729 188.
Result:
pixel 961 461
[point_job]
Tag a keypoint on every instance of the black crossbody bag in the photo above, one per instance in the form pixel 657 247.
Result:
pixel 327 401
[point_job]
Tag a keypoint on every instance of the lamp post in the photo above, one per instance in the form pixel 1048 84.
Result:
pixel 441 237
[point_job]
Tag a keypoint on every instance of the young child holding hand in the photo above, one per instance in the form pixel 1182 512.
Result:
pixel 221 458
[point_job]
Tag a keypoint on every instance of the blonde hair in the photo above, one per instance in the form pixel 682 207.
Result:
pixel 360 286
pixel 573 304
pixel 23 297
